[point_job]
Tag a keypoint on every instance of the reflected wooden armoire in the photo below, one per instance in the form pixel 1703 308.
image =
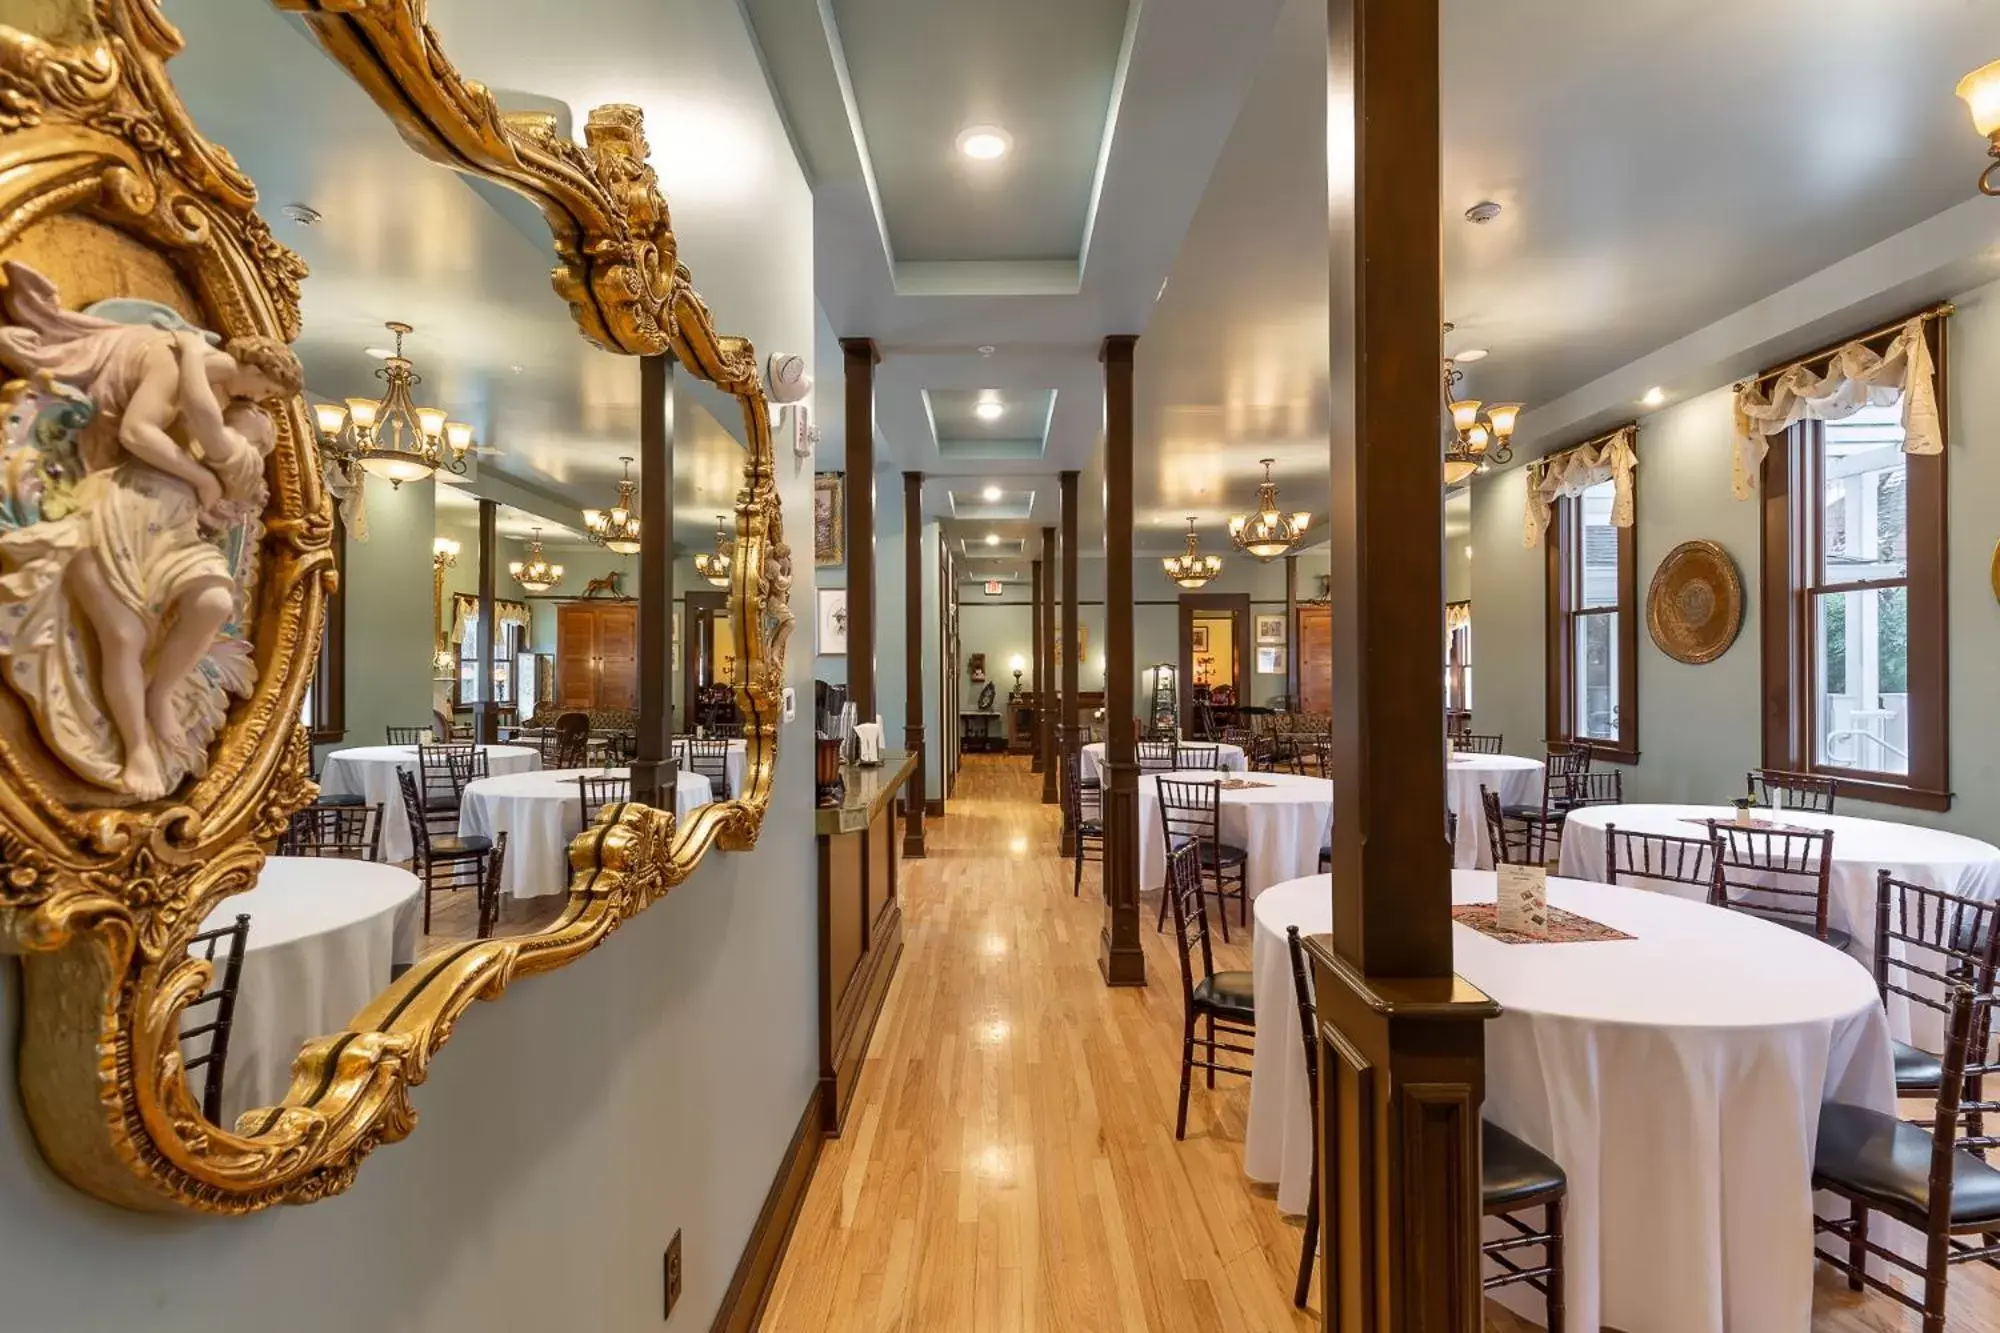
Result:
pixel 1315 650
pixel 597 655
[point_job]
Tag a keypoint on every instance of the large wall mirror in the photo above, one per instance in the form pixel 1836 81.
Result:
pixel 264 724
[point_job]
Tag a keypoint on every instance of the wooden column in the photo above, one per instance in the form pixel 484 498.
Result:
pixel 1053 647
pixel 653 762
pixel 1069 717
pixel 1292 634
pixel 1401 1041
pixel 858 360
pixel 913 660
pixel 1121 956
pixel 485 721
pixel 1035 662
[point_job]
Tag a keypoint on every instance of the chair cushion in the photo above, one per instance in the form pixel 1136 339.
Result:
pixel 1835 939
pixel 1227 995
pixel 1916 1071
pixel 1532 813
pixel 343 799
pixel 1511 1174
pixel 1090 828
pixel 451 849
pixel 1215 854
pixel 446 802
pixel 1887 1162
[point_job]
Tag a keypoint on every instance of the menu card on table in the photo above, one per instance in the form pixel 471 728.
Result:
pixel 1523 905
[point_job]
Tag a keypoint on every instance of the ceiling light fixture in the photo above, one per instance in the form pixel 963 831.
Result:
pixel 715 568
pixel 1191 569
pixel 391 437
pixel 1654 396
pixel 1476 444
pixel 992 539
pixel 989 409
pixel 303 214
pixel 1981 91
pixel 1268 533
pixel 991 494
pixel 986 349
pixel 1470 355
pixel 1482 212
pixel 535 574
pixel 984 143
pixel 616 528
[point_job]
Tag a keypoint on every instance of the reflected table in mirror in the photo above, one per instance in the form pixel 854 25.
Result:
pixel 541 812
pixel 369 771
pixel 325 935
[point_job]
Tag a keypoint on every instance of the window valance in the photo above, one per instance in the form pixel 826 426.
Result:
pixel 1573 471
pixel 1856 376
pixel 1457 615
pixel 465 614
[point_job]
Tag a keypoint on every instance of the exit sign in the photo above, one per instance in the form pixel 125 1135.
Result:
pixel 993 587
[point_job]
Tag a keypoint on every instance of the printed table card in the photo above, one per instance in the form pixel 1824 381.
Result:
pixel 1523 905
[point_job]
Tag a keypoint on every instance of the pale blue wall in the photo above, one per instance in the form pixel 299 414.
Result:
pixel 389 613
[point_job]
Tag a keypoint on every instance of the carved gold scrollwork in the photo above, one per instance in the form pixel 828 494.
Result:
pixel 103 173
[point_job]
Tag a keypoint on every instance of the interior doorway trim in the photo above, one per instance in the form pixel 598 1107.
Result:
pixel 1235 605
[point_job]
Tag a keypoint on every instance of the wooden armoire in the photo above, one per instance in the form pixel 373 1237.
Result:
pixel 597 655
pixel 1315 649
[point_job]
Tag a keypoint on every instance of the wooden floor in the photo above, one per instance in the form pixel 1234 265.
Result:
pixel 1009 1161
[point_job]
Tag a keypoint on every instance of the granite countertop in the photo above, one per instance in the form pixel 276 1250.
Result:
pixel 864 791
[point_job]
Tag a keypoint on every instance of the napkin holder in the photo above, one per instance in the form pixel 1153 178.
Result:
pixel 1522 905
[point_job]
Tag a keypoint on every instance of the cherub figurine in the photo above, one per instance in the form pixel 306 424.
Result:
pixel 173 453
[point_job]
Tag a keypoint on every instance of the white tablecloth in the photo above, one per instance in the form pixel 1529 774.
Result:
pixel 1090 760
pixel 541 813
pixel 1281 824
pixel 369 772
pixel 323 934
pixel 733 765
pixel 1517 781
pixel 1676 1077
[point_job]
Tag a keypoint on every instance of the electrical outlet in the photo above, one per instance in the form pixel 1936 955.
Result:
pixel 673 1267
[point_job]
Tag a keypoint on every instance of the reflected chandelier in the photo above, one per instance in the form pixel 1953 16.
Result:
pixel 1475 445
pixel 1981 91
pixel 391 437
pixel 1191 569
pixel 1268 533
pixel 616 528
pixel 535 573
pixel 715 568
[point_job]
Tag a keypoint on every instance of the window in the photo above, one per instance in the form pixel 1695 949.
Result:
pixel 1458 657
pixel 509 641
pixel 1592 627
pixel 324 709
pixel 1854 567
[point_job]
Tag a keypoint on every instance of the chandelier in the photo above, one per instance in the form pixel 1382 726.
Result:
pixel 715 568
pixel 391 437
pixel 1981 91
pixel 1476 444
pixel 1267 534
pixel 1191 569
pixel 535 573
pixel 616 528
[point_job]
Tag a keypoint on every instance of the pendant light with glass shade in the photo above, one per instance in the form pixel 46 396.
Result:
pixel 1191 569
pixel 715 568
pixel 391 437
pixel 616 528
pixel 535 574
pixel 1268 533
pixel 1475 444
pixel 1981 91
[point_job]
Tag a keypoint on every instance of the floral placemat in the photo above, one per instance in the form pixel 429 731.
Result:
pixel 1242 784
pixel 1564 927
pixel 1754 825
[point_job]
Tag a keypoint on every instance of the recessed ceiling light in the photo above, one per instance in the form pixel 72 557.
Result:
pixel 989 409
pixel 990 494
pixel 1469 355
pixel 1654 396
pixel 992 539
pixel 983 143
pixel 986 349
pixel 1482 212
pixel 303 214
pixel 379 353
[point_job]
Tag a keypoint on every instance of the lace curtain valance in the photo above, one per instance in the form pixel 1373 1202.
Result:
pixel 465 614
pixel 1855 377
pixel 1457 615
pixel 1574 471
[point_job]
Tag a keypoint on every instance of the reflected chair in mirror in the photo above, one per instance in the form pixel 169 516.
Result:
pixel 411 736
pixel 1309 1036
pixel 709 758
pixel 1083 807
pixel 445 863
pixel 1646 860
pixel 1219 1000
pixel 1782 875
pixel 326 797
pixel 467 765
pixel 1925 935
pixel 1467 742
pixel 1515 842
pixel 1457 723
pixel 1604 787
pixel 1191 813
pixel 1198 757
pixel 489 888
pixel 1933 1180
pixel 223 948
pixel 352 832
pixel 597 792
pixel 439 782
pixel 572 748
pixel 1204 720
pixel 1157 756
pixel 1778 789
pixel 1237 736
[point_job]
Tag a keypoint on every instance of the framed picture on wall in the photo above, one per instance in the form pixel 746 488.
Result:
pixel 830 521
pixel 833 621
pixel 1270 629
pixel 1082 643
pixel 1271 661
pixel 1200 643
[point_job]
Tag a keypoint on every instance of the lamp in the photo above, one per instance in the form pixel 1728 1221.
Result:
pixel 1017 665
pixel 391 437
pixel 1981 91
pixel 444 554
pixel 1268 533
pixel 535 573
pixel 715 568
pixel 1479 440
pixel 616 528
pixel 1191 569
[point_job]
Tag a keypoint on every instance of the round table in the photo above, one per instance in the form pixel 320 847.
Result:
pixel 541 812
pixel 369 771
pixel 1282 823
pixel 324 934
pixel 1517 781
pixel 1676 1077
pixel 1090 762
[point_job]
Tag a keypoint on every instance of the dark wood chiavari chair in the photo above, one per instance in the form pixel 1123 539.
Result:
pixel 1198 757
pixel 443 862
pixel 1084 807
pixel 468 764
pixel 597 792
pixel 710 758
pixel 1515 842
pixel 1262 753
pixel 1191 812
pixel 1468 742
pixel 1237 736
pixel 1606 787
pixel 1936 936
pixel 223 949
pixel 1220 1000
pixel 489 888
pixel 1793 791
pixel 352 832
pixel 1782 875
pixel 411 735
pixel 1935 1181
pixel 435 763
pixel 1660 857
pixel 1157 756
pixel 1302 996
pixel 572 749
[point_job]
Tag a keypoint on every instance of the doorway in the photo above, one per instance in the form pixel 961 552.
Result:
pixel 708 663
pixel 1215 656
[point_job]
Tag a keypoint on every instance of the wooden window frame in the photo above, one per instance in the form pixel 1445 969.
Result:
pixel 1790 545
pixel 329 699
pixel 1561 616
pixel 1457 661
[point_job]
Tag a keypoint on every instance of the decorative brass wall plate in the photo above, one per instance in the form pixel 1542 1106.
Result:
pixel 1694 608
pixel 110 194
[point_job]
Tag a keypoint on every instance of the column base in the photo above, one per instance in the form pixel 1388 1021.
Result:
pixel 1121 966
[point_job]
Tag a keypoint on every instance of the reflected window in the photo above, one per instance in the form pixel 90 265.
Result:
pixel 1593 671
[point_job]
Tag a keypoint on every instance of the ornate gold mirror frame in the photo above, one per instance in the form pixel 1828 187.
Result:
pixel 108 191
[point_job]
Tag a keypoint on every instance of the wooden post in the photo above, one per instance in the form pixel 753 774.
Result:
pixel 485 721
pixel 913 660
pixel 859 358
pixel 654 775
pixel 1401 1041
pixel 1069 719
pixel 1292 634
pixel 1121 956
pixel 1035 662
pixel 1053 647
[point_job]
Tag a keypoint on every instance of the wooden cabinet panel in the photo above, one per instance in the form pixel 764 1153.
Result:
pixel 1315 659
pixel 576 657
pixel 618 656
pixel 597 664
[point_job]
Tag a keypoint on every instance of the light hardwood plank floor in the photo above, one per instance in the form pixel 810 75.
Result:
pixel 1009 1161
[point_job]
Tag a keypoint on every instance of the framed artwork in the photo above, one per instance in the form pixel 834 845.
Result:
pixel 1082 643
pixel 1270 629
pixel 1201 638
pixel 1271 661
pixel 830 521
pixel 976 667
pixel 833 622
